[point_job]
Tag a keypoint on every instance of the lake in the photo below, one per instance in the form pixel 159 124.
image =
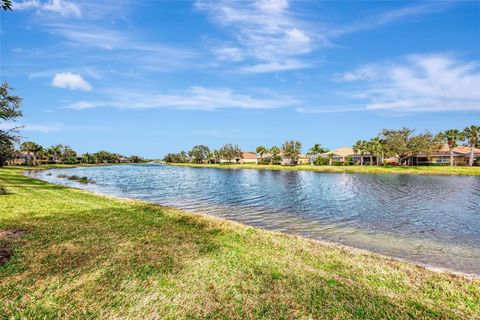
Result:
pixel 429 220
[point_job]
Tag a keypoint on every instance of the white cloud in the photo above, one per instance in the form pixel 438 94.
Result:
pixel 372 21
pixel 421 83
pixel 42 128
pixel 62 7
pixel 229 53
pixel 275 66
pixel 265 31
pixel 70 81
pixel 195 98
pixel 367 72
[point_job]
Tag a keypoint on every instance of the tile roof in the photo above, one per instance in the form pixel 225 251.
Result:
pixel 248 155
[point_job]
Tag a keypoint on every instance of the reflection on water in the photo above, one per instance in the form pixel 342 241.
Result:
pixel 433 220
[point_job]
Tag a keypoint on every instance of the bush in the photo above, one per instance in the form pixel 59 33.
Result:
pixel 321 161
pixel 266 161
pixel 349 161
pixel 338 163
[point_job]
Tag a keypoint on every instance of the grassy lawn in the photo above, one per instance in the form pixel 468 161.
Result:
pixel 80 255
pixel 467 171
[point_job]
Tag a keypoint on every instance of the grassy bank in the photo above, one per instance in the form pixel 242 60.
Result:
pixel 79 255
pixel 433 170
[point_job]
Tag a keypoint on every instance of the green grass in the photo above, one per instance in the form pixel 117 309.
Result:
pixel 432 170
pixel 89 256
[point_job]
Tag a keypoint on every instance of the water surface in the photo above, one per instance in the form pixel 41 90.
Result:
pixel 430 220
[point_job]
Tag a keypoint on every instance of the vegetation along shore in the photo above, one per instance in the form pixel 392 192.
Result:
pixel 73 254
pixel 431 170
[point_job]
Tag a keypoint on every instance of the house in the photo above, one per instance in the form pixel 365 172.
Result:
pixel 247 158
pixel 302 159
pixel 342 154
pixel 461 155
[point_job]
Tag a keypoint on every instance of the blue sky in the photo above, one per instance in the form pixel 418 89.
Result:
pixel 150 77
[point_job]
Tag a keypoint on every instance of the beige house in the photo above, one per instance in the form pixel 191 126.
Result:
pixel 246 158
pixel 461 155
pixel 341 155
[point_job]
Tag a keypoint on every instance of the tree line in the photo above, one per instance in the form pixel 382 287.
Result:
pixel 401 144
pixel 64 154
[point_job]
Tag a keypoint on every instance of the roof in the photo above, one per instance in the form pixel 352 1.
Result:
pixel 249 155
pixel 341 152
pixel 457 151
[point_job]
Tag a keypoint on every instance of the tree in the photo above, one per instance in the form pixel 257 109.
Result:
pixel 360 147
pixel 135 159
pixel 32 148
pixel 199 153
pixel 316 150
pixel 10 109
pixel 396 142
pixel 472 135
pixel 230 152
pixel 275 151
pixel 56 152
pixel 6 148
pixel 330 158
pixel 451 137
pixel 291 149
pixel 375 147
pixel 6 5
pixel 261 150
pixel 88 158
pixel 216 155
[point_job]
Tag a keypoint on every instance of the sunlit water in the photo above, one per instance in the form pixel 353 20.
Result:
pixel 430 220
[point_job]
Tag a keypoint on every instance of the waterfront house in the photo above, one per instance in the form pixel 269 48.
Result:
pixel 461 155
pixel 247 158
pixel 342 154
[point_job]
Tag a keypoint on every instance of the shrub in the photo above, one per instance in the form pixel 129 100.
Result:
pixel 349 161
pixel 337 163
pixel 266 161
pixel 321 161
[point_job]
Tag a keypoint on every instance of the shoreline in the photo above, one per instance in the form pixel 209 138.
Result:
pixel 414 170
pixel 338 245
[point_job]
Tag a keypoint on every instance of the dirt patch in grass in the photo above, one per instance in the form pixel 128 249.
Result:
pixel 13 233
pixel 6 247
pixel 5 252
pixel 2 190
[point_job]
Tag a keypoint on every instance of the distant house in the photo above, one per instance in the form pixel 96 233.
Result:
pixel 341 155
pixel 461 154
pixel 302 159
pixel 247 158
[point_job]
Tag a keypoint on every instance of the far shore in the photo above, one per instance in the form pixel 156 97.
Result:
pixel 425 170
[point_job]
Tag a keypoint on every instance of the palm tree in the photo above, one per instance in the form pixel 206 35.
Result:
pixel 374 148
pixel 330 158
pixel 44 154
pixel 31 148
pixel 291 149
pixel 359 148
pixel 275 151
pixel 472 134
pixel 261 150
pixel 452 136
pixel 315 150
pixel 216 156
